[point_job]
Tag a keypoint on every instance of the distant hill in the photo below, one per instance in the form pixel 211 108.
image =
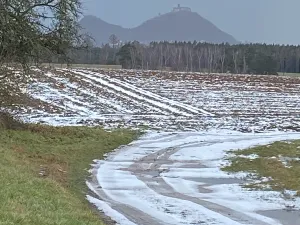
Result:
pixel 174 26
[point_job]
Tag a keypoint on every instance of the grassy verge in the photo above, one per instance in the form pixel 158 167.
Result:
pixel 289 74
pixel 43 171
pixel 279 161
pixel 90 66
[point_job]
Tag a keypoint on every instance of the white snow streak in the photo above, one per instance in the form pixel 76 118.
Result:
pixel 158 101
pixel 124 187
pixel 119 218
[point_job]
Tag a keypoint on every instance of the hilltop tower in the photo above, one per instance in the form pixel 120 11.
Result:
pixel 179 8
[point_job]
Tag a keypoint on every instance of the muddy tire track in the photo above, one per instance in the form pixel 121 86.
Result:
pixel 147 165
pixel 155 161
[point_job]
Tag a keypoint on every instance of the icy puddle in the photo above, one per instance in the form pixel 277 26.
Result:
pixel 176 178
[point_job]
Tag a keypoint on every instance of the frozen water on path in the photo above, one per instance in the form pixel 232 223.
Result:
pixel 151 176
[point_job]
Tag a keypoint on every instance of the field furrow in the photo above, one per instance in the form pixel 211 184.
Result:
pixel 168 101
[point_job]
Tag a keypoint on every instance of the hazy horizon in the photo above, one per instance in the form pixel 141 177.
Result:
pixel 269 21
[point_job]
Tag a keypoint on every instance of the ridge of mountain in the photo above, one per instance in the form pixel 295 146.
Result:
pixel 173 26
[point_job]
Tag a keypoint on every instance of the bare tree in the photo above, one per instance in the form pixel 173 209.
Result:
pixel 210 58
pixel 235 59
pixel 167 54
pixel 191 57
pixel 114 40
pixel 199 53
pixel 222 59
pixel 29 28
pixel 174 53
pixel 245 67
pixel 133 55
pixel 179 58
pixel 216 58
pixel 151 56
pixel 105 55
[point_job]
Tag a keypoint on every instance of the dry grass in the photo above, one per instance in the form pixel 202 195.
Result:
pixel 279 161
pixel 88 66
pixel 289 74
pixel 43 171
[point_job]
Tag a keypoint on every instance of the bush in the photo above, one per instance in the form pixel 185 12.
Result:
pixel 7 121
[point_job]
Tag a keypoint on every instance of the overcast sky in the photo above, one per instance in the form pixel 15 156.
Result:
pixel 271 21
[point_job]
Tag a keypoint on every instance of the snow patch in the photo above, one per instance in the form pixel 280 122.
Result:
pixel 115 215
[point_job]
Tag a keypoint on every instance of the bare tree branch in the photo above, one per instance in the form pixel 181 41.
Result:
pixel 29 28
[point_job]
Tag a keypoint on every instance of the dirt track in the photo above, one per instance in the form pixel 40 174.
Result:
pixel 151 167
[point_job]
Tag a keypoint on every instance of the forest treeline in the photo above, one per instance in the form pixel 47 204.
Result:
pixel 192 56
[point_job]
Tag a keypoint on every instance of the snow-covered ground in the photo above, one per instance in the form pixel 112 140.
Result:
pixel 172 175
pixel 175 178
pixel 168 102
